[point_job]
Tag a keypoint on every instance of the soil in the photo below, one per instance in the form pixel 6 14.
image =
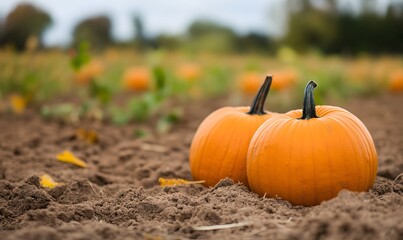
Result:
pixel 118 197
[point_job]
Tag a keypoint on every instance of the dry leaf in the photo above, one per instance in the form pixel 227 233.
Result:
pixel 69 157
pixel 89 136
pixel 17 103
pixel 164 182
pixel 46 181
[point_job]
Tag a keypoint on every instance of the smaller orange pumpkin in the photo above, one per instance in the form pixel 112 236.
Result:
pixel 137 79
pixel 189 72
pixel 250 82
pixel 308 156
pixel 396 81
pixel 89 72
pixel 284 79
pixel 219 147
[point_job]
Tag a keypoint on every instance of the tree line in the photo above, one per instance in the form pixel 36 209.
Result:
pixel 325 28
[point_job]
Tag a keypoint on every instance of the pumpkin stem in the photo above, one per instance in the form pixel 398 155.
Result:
pixel 309 110
pixel 257 106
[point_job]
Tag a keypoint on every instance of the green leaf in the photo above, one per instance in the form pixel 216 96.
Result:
pixel 81 57
pixel 119 116
pixel 140 133
pixel 100 92
pixel 159 77
pixel 165 123
pixel 139 109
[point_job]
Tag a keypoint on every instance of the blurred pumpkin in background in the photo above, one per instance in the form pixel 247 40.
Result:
pixel 285 79
pixel 250 82
pixel 189 71
pixel 88 72
pixel 396 81
pixel 137 79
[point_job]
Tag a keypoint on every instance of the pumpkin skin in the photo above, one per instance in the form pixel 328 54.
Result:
pixel 220 144
pixel 307 160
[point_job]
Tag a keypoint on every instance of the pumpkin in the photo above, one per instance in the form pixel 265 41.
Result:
pixel 308 156
pixel 189 72
pixel 250 82
pixel 284 79
pixel 137 79
pixel 396 81
pixel 220 144
pixel 89 72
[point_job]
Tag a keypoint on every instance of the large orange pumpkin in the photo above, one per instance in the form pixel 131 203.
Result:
pixel 308 156
pixel 220 145
pixel 137 79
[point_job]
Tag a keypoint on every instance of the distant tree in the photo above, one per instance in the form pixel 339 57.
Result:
pixel 1 29
pixel 333 31
pixel 95 30
pixel 309 27
pixel 254 42
pixel 140 39
pixel 210 36
pixel 23 22
pixel 168 42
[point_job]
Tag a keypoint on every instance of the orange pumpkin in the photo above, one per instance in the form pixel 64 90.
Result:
pixel 137 79
pixel 250 82
pixel 308 156
pixel 396 81
pixel 219 147
pixel 284 79
pixel 189 72
pixel 89 72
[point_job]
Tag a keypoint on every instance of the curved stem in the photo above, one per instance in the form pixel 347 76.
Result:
pixel 309 110
pixel 257 106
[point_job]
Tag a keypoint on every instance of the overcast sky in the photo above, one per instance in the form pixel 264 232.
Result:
pixel 160 16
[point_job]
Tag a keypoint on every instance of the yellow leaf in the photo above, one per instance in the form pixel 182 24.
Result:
pixel 17 103
pixel 69 157
pixel 164 182
pixel 89 136
pixel 47 181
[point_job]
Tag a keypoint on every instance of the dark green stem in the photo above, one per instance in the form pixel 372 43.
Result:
pixel 309 110
pixel 257 106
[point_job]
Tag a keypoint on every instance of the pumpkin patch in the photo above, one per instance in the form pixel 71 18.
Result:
pixel 148 120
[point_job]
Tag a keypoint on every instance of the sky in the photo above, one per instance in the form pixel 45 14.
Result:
pixel 161 16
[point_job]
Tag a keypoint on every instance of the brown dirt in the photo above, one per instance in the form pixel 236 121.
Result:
pixel 118 197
